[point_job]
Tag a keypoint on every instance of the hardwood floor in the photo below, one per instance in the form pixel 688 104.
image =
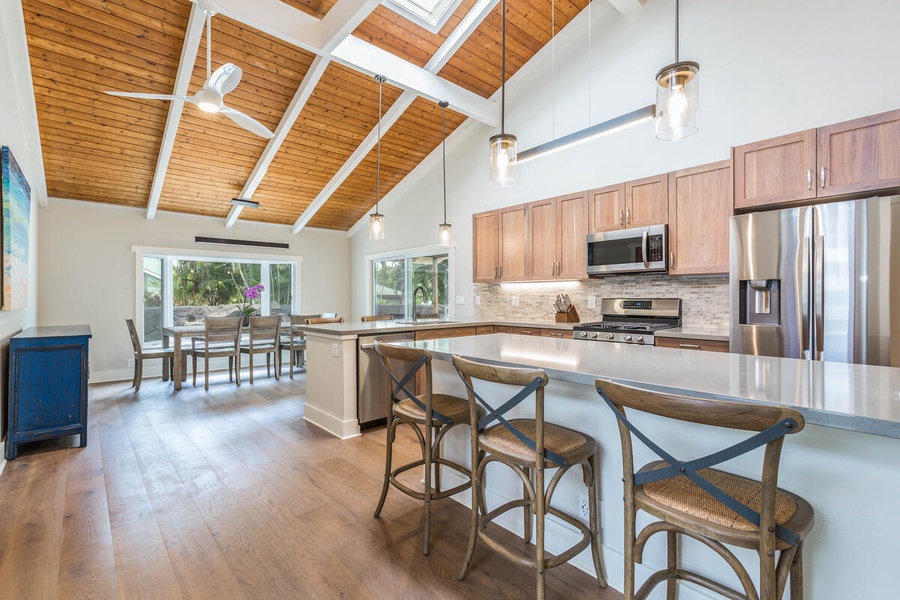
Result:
pixel 230 494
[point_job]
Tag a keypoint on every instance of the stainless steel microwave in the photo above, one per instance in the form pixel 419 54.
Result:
pixel 638 250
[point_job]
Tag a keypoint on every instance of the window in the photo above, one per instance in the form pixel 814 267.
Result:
pixel 430 14
pixel 184 289
pixel 396 279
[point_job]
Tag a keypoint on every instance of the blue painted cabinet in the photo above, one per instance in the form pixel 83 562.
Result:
pixel 48 375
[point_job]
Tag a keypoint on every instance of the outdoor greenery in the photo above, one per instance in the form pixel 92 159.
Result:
pixel 202 283
pixel 391 293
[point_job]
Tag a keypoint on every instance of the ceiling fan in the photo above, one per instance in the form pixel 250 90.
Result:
pixel 209 98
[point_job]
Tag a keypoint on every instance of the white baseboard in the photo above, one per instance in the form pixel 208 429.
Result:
pixel 331 424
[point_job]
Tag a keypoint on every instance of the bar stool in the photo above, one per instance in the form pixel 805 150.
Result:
pixel 370 318
pixel 711 506
pixel 436 414
pixel 528 447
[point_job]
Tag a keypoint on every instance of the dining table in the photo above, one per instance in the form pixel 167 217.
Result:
pixel 174 334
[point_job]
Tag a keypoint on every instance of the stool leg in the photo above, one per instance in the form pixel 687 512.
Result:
pixel 541 510
pixel 251 367
pixel 165 369
pixel 388 452
pixel 672 558
pixel 268 365
pixel 527 507
pixel 591 482
pixel 138 374
pixel 429 433
pixel 628 587
pixel 436 457
pixel 477 501
pixel 797 574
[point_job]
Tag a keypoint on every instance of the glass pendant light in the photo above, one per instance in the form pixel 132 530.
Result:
pixel 444 228
pixel 677 97
pixel 503 145
pixel 376 219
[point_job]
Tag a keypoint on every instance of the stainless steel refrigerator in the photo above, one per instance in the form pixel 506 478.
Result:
pixel 819 282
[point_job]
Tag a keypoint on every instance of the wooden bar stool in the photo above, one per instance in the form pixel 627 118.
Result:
pixel 294 341
pixel 528 447
pixel 431 416
pixel 370 318
pixel 711 506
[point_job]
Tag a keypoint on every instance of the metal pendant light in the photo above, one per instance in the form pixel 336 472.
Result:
pixel 677 97
pixel 503 145
pixel 444 228
pixel 376 219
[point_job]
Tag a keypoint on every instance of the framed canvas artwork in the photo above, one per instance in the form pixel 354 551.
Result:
pixel 16 216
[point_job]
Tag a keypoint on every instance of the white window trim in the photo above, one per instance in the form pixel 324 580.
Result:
pixel 407 253
pixel 424 22
pixel 195 254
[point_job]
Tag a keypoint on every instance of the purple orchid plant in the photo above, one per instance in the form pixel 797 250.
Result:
pixel 251 293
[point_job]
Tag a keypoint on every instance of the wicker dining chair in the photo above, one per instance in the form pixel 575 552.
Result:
pixel 293 340
pixel 692 499
pixel 141 354
pixel 221 338
pixel 431 416
pixel 528 447
pixel 264 337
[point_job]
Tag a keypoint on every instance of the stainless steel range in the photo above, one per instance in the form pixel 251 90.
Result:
pixel 631 320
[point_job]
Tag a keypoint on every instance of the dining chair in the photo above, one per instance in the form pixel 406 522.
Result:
pixel 370 318
pixel 691 499
pixel 321 320
pixel 141 354
pixel 264 338
pixel 528 447
pixel 431 416
pixel 294 341
pixel 221 338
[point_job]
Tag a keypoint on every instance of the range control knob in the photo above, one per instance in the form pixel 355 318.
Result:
pixel 593 335
pixel 627 338
pixel 610 336
pixel 640 339
pixel 584 334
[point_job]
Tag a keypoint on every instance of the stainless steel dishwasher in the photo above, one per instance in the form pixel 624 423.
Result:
pixel 371 380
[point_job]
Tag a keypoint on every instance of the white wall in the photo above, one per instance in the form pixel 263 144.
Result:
pixel 768 67
pixel 16 109
pixel 87 268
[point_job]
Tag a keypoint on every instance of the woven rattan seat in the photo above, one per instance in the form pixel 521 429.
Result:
pixel 692 499
pixel 455 409
pixel 431 416
pixel 568 443
pixel 518 444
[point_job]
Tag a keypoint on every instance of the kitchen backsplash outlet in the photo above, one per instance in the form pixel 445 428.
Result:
pixel 704 299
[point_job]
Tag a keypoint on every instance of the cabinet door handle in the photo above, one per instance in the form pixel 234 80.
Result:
pixel 671 260
pixel 693 346
pixel 822 177
pixel 621 217
pixel 501 272
pixel 628 215
pixel 526 332
pixel 809 179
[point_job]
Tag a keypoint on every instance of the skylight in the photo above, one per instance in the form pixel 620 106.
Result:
pixel 430 14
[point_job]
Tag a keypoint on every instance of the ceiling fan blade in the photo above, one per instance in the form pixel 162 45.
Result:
pixel 225 78
pixel 143 96
pixel 248 123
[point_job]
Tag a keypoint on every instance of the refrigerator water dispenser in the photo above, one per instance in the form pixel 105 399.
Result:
pixel 760 302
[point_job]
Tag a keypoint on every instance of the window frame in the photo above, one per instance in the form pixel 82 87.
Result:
pixel 170 254
pixel 407 254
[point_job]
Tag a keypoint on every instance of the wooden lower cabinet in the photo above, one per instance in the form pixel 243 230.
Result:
pixel 557 333
pixel 692 344
pixel 525 330
pixel 445 332
pixel 484 329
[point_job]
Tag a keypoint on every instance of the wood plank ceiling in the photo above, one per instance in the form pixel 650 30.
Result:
pixel 101 148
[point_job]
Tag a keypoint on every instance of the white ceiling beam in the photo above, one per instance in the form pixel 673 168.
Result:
pixel 310 81
pixel 276 19
pixel 366 57
pixel 626 6
pixel 182 79
pixel 390 117
pixel 458 36
pixel 342 19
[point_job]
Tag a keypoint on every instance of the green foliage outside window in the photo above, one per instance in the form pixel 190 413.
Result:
pixel 202 283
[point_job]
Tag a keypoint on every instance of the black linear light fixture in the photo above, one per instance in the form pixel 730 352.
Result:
pixel 244 202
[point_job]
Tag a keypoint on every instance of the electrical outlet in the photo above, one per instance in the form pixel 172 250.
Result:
pixel 584 506
pixel 460 300
pixel 477 300
pixel 336 350
pixel 592 301
pixel 515 300
pixel 130 363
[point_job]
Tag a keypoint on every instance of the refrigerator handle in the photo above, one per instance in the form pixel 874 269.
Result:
pixel 819 296
pixel 806 337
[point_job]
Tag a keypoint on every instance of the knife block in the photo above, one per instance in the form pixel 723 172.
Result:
pixel 570 316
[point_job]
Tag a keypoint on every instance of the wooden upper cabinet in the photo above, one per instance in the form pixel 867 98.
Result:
pixel 572 219
pixel 647 201
pixel 775 171
pixel 607 208
pixel 486 247
pixel 700 205
pixel 513 230
pixel 543 239
pixel 859 156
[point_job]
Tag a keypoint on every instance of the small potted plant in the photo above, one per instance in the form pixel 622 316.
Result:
pixel 248 309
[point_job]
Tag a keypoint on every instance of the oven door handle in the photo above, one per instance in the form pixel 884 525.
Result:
pixel 645 247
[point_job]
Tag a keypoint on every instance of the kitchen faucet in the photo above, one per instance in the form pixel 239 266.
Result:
pixel 415 292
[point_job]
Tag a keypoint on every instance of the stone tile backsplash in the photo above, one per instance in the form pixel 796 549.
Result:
pixel 704 300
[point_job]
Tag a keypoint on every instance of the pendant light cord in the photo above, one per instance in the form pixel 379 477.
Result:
pixel 676 30
pixel 208 44
pixel 503 68
pixel 444 154
pixel 380 80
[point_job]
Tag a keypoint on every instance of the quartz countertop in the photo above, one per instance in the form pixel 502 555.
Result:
pixel 715 334
pixel 859 398
pixel 357 328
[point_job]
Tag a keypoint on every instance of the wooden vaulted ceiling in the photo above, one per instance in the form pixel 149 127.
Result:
pixel 102 148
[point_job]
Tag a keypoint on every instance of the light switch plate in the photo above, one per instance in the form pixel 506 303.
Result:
pixel 477 300
pixel 336 350
pixel 592 301
pixel 460 299
pixel 515 300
